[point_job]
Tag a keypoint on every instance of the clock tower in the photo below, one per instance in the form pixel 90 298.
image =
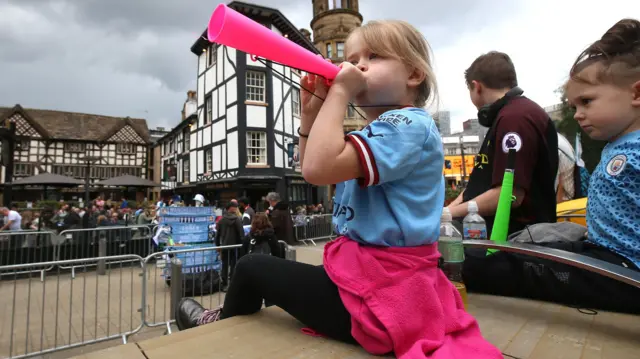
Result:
pixel 332 22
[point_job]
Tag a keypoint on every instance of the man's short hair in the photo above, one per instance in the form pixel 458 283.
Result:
pixel 273 196
pixel 243 200
pixel 494 69
pixel 231 204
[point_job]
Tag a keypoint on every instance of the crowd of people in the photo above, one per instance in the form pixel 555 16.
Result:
pixel 100 213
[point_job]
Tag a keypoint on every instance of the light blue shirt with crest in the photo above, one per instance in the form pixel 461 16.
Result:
pixel 399 201
pixel 613 205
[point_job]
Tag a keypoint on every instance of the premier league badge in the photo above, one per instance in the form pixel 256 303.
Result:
pixel 511 141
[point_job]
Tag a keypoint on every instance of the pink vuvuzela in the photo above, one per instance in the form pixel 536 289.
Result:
pixel 230 28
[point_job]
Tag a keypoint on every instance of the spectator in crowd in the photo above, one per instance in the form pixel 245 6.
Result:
pixel 517 123
pixel 72 220
pixel 12 220
pixel 144 218
pixel 565 184
pixel 261 238
pixel 229 232
pixel 280 217
pixel 247 212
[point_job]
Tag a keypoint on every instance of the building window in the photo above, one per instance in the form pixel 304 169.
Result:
pixel 186 136
pixel 257 148
pixel 208 161
pixel 185 171
pixel 165 148
pixel 340 49
pixel 74 147
pixel 23 169
pixel 79 171
pixel 295 101
pixel 339 4
pixel 255 86
pixel 125 148
pixel 212 55
pixel 99 172
pixel 171 145
pixel 351 112
pixel 169 171
pixel 329 51
pixel 22 145
pixel 208 114
pixel 297 193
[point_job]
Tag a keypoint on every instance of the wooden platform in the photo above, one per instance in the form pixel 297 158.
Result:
pixel 521 328
pixel 127 351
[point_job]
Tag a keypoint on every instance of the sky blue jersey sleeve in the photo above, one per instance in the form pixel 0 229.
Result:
pixel 389 147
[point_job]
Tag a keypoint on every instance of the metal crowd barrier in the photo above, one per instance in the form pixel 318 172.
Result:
pixel 104 241
pixel 125 294
pixel 57 313
pixel 313 228
pixel 182 280
pixel 24 247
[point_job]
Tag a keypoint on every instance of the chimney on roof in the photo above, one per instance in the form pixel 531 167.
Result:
pixel 306 33
pixel 190 105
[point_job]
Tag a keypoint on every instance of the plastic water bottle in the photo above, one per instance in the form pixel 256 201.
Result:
pixel 452 250
pixel 473 225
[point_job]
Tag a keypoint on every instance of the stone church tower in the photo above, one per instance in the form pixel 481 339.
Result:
pixel 332 22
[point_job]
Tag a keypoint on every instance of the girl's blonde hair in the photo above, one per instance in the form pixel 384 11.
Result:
pixel 399 39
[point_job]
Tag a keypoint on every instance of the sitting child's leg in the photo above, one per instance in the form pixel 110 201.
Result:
pixel 520 275
pixel 304 291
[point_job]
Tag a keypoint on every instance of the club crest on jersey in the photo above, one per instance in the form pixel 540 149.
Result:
pixel 616 165
pixel 511 141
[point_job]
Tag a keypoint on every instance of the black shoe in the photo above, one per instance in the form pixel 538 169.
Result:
pixel 187 313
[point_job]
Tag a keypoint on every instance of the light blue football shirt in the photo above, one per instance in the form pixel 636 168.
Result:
pixel 399 201
pixel 613 205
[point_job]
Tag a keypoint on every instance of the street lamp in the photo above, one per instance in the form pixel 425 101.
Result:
pixel 87 176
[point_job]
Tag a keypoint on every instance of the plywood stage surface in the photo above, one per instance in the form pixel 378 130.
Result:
pixel 521 328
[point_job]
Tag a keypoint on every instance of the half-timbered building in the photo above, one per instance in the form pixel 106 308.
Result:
pixel 174 150
pixel 60 142
pixel 248 113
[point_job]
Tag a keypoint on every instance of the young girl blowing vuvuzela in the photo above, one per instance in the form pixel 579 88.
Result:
pixel 380 285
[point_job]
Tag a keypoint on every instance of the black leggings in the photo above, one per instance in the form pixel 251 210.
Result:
pixel 519 275
pixel 302 290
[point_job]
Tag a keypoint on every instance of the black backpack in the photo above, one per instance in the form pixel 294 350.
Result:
pixel 261 247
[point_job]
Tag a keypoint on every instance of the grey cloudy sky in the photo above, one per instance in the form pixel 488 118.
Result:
pixel 132 58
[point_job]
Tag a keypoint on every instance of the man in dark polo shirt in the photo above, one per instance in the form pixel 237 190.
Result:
pixel 514 122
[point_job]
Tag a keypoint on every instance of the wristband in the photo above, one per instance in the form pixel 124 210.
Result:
pixel 302 134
